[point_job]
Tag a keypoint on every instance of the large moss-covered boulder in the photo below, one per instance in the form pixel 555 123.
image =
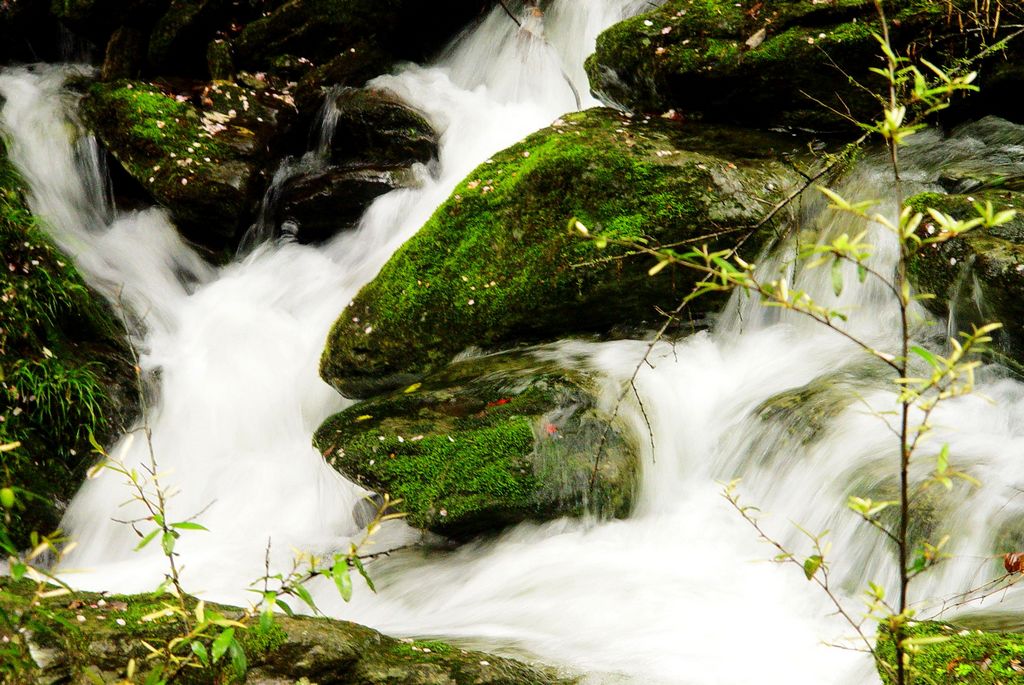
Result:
pixel 486 443
pixel 788 62
pixel 87 637
pixel 497 262
pixel 978 276
pixel 65 371
pixel 206 164
pixel 315 31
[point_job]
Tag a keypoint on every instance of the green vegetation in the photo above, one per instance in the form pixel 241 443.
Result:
pixel 947 653
pixel 784 63
pixel 496 263
pixel 63 368
pixel 486 443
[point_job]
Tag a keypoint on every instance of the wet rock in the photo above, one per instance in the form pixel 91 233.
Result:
pixel 316 206
pixel 219 61
pixel 204 163
pixel 790 62
pixel 977 277
pixel 65 369
pixel 486 443
pixel 374 126
pixel 497 263
pixel 90 637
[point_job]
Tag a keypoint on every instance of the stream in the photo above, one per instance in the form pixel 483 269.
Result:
pixel 682 591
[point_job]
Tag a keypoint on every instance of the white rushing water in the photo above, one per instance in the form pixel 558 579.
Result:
pixel 678 593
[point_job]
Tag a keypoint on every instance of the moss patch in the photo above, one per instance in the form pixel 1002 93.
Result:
pixel 497 262
pixel 967 657
pixel 486 443
pixel 784 62
pixel 86 636
pixel 64 369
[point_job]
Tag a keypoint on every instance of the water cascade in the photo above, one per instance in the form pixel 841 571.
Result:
pixel 678 593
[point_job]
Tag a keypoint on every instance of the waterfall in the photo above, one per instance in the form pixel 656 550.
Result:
pixel 680 592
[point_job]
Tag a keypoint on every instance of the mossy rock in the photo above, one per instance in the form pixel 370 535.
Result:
pixel 316 31
pixel 978 276
pixel 788 62
pixel 89 637
pixel 486 443
pixel 962 657
pixel 206 164
pixel 497 262
pixel 65 370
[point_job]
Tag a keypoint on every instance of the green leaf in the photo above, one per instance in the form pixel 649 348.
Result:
pixel 167 542
pixel 148 539
pixel 837 277
pixel 362 571
pixel 238 661
pixel 942 461
pixel 811 566
pixel 199 649
pixel 287 609
pixel 926 355
pixel 220 645
pixel 342 579
pixel 18 570
pixel 188 525
pixel 304 595
pixel 862 273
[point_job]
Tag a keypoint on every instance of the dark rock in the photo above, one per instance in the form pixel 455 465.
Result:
pixel 28 32
pixel 485 443
pixel 205 164
pixel 789 62
pixel 125 55
pixel 977 277
pixel 320 30
pixel 317 206
pixel 65 370
pixel 219 62
pixel 375 127
pixel 496 263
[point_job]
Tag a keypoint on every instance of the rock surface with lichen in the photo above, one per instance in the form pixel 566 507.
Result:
pixel 790 62
pixel 499 262
pixel 486 443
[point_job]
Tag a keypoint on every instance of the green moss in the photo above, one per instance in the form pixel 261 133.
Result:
pixel 806 57
pixel 486 443
pixel 966 657
pixel 497 262
pixel 63 367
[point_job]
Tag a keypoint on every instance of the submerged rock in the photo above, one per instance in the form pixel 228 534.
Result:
pixel 498 263
pixel 205 165
pixel 65 370
pixel 486 443
pixel 790 62
pixel 91 638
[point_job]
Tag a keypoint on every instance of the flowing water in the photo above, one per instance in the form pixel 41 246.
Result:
pixel 678 593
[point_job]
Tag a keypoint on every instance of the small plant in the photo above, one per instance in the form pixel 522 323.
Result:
pixel 922 379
